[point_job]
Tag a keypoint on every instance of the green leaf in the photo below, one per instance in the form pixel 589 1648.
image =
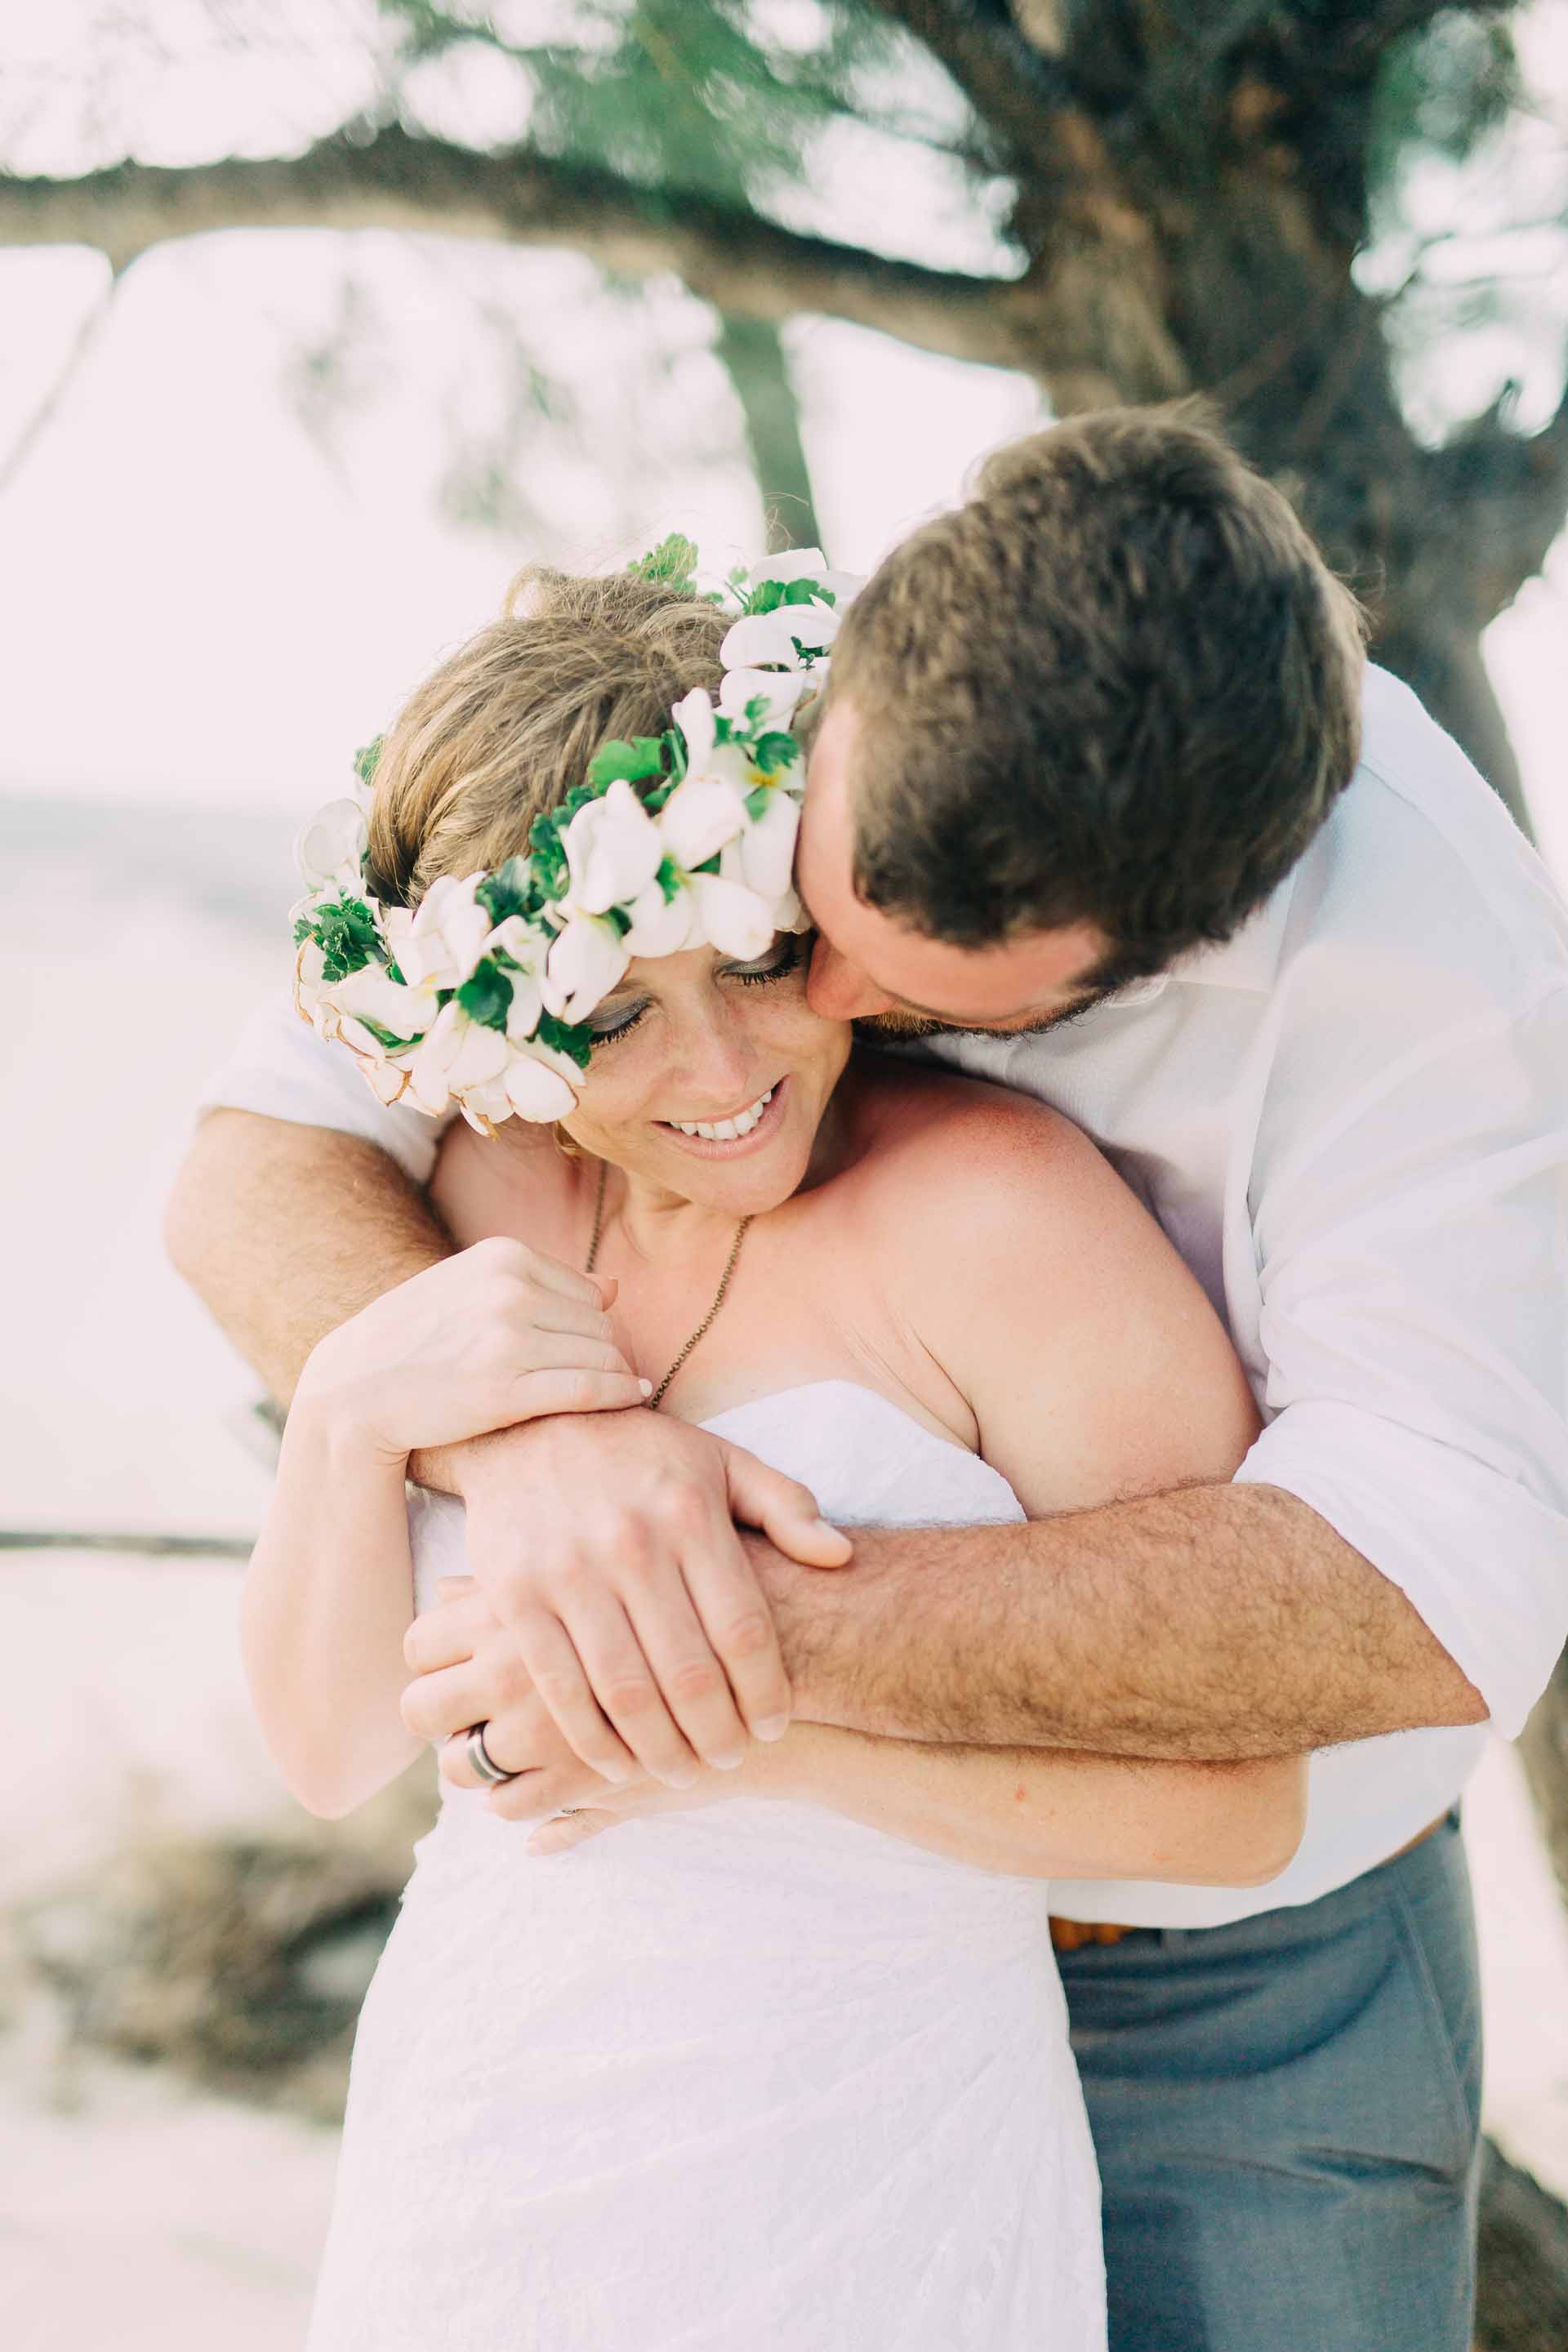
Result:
pixel 367 758
pixel 346 934
pixel 508 891
pixel 806 592
pixel 766 598
pixel 669 879
pixel 674 743
pixel 775 750
pixel 569 1038
pixel 757 802
pixel 673 562
pixel 634 761
pixel 486 995
pixel 384 1037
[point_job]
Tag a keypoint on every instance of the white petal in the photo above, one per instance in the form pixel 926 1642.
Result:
pixel 767 847
pixel 693 714
pixel 763 638
pixel 481 1055
pixel 613 849
pixel 331 848
pixel 700 816
pixel 585 962
pixel 370 993
pixel 386 1080
pixel 790 563
pixel 780 690
pixel 733 919
pixel 427 1070
pixel 527 1004
pixel 536 1084
pixel 660 926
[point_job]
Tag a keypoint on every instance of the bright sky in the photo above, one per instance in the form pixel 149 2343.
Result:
pixel 204 598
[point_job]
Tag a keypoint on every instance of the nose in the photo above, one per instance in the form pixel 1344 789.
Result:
pixel 715 1057
pixel 839 991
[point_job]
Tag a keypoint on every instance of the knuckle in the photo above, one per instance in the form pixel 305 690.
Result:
pixel 748 1635
pixel 562 1691
pixel 683 1511
pixel 630 1694
pixel 695 1678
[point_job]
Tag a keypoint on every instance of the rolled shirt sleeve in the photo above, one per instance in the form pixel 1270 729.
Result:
pixel 278 1066
pixel 1413 1266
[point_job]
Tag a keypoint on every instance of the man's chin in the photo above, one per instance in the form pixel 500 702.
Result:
pixel 889 1028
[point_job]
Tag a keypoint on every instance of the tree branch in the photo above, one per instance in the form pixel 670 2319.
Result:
pixel 1016 88
pixel 1511 490
pixel 726 253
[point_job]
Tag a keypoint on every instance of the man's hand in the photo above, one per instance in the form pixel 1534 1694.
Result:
pixel 606 1547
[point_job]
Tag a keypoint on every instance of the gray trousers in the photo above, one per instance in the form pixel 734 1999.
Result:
pixel 1286 2114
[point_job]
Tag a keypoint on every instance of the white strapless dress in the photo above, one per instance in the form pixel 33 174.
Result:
pixel 748 2079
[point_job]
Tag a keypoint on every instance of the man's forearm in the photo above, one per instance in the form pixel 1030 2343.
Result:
pixel 285 1231
pixel 1214 1622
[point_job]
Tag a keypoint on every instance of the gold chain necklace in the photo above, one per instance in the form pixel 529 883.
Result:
pixel 707 1320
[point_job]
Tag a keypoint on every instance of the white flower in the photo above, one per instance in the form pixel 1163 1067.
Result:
pixel 458 1054
pixel 700 816
pixel 764 639
pixel 789 563
pixel 371 994
pixel 585 961
pixel 764 853
pixel 613 849
pixel 779 690
pixel 446 935
pixel 539 1082
pixel 660 926
pixel 331 848
pixel 528 946
pixel 731 917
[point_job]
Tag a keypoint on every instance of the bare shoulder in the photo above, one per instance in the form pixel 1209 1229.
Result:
pixel 954 1150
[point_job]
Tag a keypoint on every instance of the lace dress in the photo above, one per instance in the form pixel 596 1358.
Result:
pixel 749 2079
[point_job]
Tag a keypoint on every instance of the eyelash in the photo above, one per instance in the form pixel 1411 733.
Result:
pixel 747 979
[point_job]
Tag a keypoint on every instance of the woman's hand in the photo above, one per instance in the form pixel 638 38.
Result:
pixel 609 1553
pixel 500 1333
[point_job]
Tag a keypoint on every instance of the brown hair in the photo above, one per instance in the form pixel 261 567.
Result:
pixel 507 724
pixel 1118 684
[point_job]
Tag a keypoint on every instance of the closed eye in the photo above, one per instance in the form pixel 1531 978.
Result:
pixel 783 957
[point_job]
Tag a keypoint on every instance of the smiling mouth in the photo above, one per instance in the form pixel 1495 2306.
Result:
pixel 726 1131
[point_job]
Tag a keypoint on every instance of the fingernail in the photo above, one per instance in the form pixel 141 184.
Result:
pixel 825 1526
pixel 647 1387
pixel 772 1727
pixel 684 1779
pixel 729 1763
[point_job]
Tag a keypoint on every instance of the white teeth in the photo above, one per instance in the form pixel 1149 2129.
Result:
pixel 726 1131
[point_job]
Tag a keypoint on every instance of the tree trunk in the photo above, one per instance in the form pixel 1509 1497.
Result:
pixel 753 351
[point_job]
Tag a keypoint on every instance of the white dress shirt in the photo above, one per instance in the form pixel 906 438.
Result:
pixel 1353 1122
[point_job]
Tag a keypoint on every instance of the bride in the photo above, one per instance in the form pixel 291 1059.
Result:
pixel 784 2062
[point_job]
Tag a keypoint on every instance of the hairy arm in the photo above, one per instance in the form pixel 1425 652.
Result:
pixel 1152 1607
pixel 1217 1622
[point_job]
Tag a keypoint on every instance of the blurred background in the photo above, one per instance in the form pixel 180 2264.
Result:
pixel 317 317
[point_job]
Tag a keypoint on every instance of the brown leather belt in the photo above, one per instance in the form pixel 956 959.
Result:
pixel 1071 1934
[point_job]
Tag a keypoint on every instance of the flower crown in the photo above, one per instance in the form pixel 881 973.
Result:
pixel 481 994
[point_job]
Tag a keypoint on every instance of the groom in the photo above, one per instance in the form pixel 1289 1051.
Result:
pixel 1081 812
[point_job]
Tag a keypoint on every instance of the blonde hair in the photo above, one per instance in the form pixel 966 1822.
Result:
pixel 507 724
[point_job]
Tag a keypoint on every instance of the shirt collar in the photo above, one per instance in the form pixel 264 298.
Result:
pixel 1247 960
